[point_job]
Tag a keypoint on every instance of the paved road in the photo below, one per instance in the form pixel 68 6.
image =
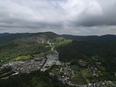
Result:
pixel 72 74
pixel 5 74
pixel 77 85
pixel 92 74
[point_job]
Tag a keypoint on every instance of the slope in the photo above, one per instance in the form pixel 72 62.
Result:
pixel 33 79
pixel 92 52
pixel 29 45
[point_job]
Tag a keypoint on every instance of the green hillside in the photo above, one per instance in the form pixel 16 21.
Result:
pixel 20 50
pixel 30 46
pixel 60 41
pixel 92 52
pixel 7 37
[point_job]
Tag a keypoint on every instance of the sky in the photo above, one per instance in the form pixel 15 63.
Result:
pixel 76 17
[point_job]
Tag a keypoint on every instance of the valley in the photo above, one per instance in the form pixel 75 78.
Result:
pixel 73 62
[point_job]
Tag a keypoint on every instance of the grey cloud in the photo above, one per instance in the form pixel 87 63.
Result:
pixel 107 18
pixel 96 21
pixel 60 16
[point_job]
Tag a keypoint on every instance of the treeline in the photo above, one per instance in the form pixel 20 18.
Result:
pixel 7 37
pixel 93 37
pixel 33 79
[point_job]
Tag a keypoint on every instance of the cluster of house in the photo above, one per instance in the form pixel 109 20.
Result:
pixel 102 84
pixel 96 72
pixel 27 66
pixel 98 64
pixel 82 62
pixel 63 72
pixel 35 64
pixel 65 80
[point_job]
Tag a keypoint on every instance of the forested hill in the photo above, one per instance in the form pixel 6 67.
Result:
pixel 101 38
pixel 26 46
pixel 7 37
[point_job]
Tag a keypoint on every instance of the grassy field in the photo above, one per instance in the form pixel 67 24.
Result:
pixel 94 58
pixel 61 41
pixel 54 71
pixel 22 58
pixel 75 67
pixel 79 79
pixel 39 55
pixel 86 74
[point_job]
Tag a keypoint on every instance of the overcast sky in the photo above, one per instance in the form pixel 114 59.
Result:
pixel 77 17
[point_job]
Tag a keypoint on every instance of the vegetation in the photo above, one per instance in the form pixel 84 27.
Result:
pixel 79 79
pixel 6 37
pixel 92 52
pixel 20 50
pixel 75 67
pixel 5 69
pixel 60 41
pixel 33 79
pixel 22 58
pixel 27 47
pixel 54 71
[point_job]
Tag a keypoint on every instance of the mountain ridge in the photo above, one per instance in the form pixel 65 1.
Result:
pixel 92 37
pixel 7 37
